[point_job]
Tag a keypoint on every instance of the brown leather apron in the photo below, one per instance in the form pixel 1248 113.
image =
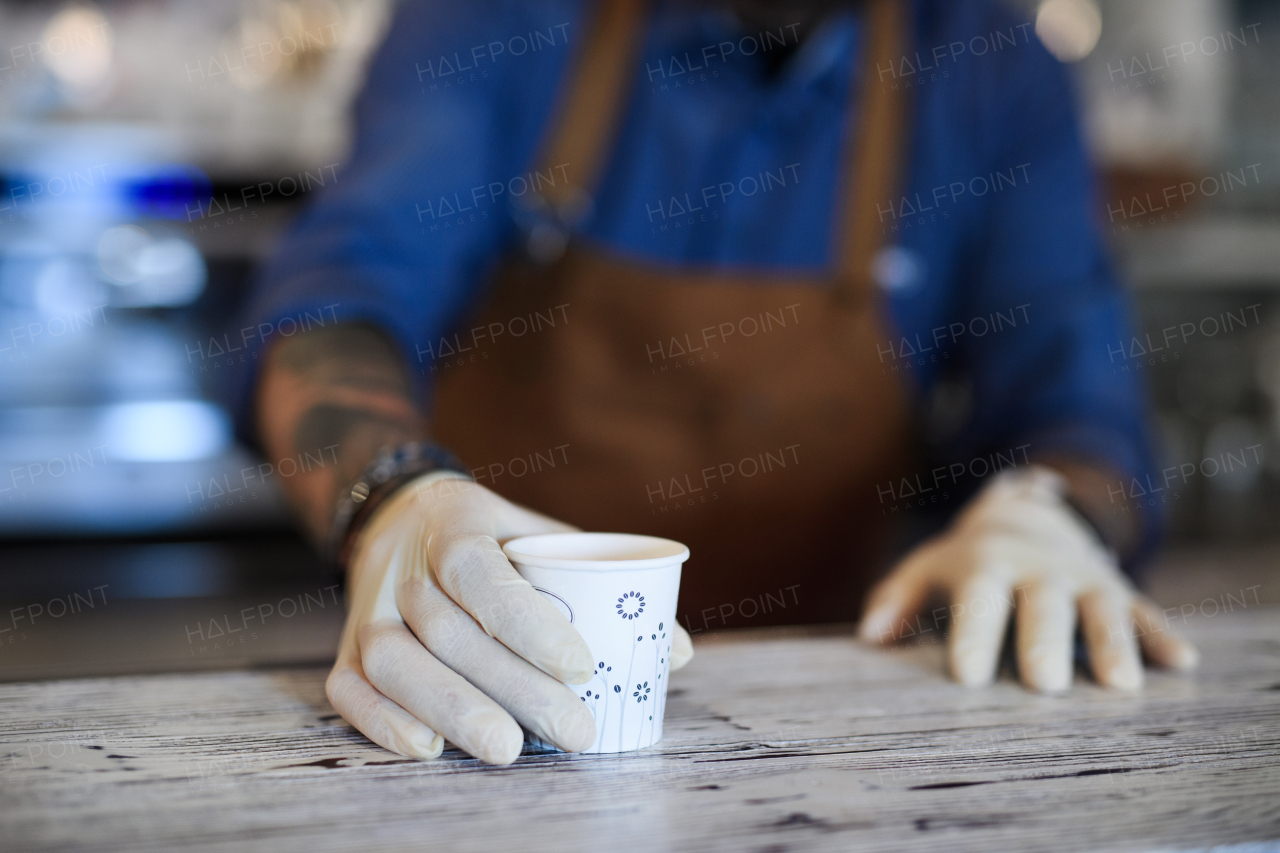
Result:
pixel 745 414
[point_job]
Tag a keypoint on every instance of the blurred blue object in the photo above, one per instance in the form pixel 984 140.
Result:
pixel 168 192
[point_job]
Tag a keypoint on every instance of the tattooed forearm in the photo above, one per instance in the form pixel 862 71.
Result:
pixel 344 387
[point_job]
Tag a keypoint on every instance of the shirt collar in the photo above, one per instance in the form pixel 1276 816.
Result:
pixel 823 60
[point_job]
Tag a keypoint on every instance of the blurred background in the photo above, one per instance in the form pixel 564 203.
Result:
pixel 152 150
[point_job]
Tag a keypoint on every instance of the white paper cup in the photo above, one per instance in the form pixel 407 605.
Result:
pixel 619 590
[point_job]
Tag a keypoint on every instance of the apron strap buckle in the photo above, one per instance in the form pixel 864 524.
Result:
pixel 547 223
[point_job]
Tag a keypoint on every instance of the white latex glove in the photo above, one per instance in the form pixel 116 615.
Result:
pixel 445 640
pixel 1018 543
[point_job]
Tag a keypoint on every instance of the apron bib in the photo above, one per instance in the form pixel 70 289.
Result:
pixel 746 415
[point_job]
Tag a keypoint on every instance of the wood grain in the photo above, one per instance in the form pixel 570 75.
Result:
pixel 773 743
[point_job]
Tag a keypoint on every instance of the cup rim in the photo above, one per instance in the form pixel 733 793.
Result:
pixel 516 552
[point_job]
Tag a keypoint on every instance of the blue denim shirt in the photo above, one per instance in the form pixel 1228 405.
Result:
pixel 997 272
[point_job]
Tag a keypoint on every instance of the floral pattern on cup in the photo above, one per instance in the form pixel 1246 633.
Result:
pixel 607 693
pixel 630 605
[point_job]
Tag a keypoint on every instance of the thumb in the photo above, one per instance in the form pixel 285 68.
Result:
pixel 681 648
pixel 897 597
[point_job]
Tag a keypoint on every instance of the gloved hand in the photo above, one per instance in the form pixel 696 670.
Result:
pixel 445 640
pixel 1018 545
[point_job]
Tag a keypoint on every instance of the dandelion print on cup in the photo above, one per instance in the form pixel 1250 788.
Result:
pixel 633 608
pixel 619 591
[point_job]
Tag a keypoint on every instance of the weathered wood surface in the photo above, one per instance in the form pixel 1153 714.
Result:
pixel 773 743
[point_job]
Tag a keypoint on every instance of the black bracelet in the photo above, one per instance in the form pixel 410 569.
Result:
pixel 392 468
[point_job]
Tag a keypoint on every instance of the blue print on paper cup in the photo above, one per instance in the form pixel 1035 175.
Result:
pixel 619 591
pixel 633 608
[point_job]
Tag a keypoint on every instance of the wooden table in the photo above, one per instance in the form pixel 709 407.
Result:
pixel 774 742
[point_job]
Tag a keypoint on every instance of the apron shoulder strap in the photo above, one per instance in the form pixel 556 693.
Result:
pixel 875 162
pixel 597 90
pixel 591 107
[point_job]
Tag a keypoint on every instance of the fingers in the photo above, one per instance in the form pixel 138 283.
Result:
pixel 897 597
pixel 381 720
pixel 1161 646
pixel 472 569
pixel 539 702
pixel 681 647
pixel 403 671
pixel 980 614
pixel 1113 654
pixel 1046 636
